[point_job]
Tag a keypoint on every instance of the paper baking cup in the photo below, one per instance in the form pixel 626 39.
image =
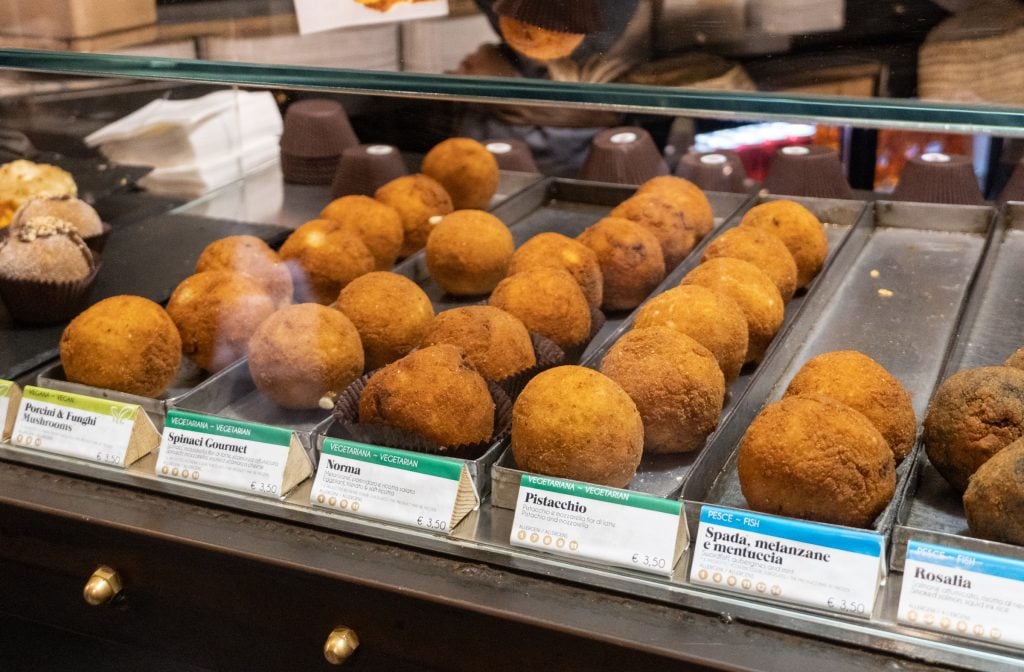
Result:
pixel 99 241
pixel 347 425
pixel 548 356
pixel 939 178
pixel 514 155
pixel 623 155
pixel 41 302
pixel 1014 190
pixel 316 128
pixel 301 170
pixel 364 168
pixel 573 353
pixel 714 171
pixel 813 171
pixel 578 16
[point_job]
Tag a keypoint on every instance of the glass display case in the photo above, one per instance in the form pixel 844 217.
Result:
pixel 895 125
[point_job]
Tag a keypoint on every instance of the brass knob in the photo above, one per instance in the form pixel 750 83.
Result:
pixel 340 645
pixel 102 586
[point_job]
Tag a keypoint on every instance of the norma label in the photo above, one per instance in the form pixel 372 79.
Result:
pixel 236 455
pixel 75 425
pixel 425 491
pixel 811 564
pixel 963 593
pixel 605 525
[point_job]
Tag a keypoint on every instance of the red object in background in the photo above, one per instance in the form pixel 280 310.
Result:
pixel 756 144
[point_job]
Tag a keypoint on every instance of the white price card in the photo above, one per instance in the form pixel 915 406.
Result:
pixel 605 525
pixel 10 398
pixel 84 427
pixel 315 16
pixel 823 566
pixel 425 491
pixel 964 593
pixel 231 454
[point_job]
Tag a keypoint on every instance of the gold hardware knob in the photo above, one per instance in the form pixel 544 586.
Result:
pixel 102 586
pixel 340 645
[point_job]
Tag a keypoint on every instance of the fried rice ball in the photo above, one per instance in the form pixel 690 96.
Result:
pixel 466 170
pixel 664 220
pixel 253 257
pixel 82 216
pixel 573 422
pixel 216 313
pixel 994 501
pixel 323 257
pixel 801 232
pixel 1016 360
pixel 495 342
pixel 687 197
pixel 973 415
pixel 812 457
pixel 864 385
pixel 535 42
pixel 553 250
pixel 434 392
pixel 752 290
pixel 549 302
pixel 304 353
pixel 710 318
pixel 124 343
pixel 761 248
pixel 379 225
pixel 468 252
pixel 418 199
pixel 632 264
pixel 675 383
pixel 391 313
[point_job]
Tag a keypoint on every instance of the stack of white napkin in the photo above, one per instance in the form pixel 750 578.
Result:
pixel 198 145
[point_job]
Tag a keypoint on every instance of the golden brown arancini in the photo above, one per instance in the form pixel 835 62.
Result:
pixel 324 256
pixel 495 342
pixel 304 353
pixel 82 216
pixel 994 501
pixel 761 248
pixel 253 257
pixel 686 196
pixel 1016 360
pixel 434 392
pixel 391 313
pixel 573 422
pixel 664 220
pixel 379 225
pixel 535 42
pixel 973 415
pixel 216 313
pixel 801 232
pixel 752 290
pixel 549 302
pixel 466 170
pixel 710 318
pixel 124 343
pixel 864 385
pixel 810 456
pixel 675 383
pixel 632 263
pixel 468 252
pixel 418 199
pixel 553 250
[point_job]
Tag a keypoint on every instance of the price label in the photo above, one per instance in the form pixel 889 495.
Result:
pixel 425 491
pixel 241 456
pixel 8 407
pixel 592 522
pixel 963 593
pixel 815 565
pixel 88 428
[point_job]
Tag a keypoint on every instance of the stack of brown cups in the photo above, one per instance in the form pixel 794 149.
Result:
pixel 364 168
pixel 813 171
pixel 939 178
pixel 623 155
pixel 514 155
pixel 316 132
pixel 714 171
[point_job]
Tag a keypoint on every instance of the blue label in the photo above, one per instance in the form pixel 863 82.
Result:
pixel 816 534
pixel 980 563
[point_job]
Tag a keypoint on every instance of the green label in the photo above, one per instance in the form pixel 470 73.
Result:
pixel 5 388
pixel 233 429
pixel 114 409
pixel 602 494
pixel 428 465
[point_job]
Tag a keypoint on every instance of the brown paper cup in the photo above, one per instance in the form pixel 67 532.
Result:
pixel 99 241
pixel 939 178
pixel 315 128
pixel 364 168
pixel 1014 190
pixel 548 356
pixel 714 171
pixel 623 155
pixel 39 302
pixel 514 155
pixel 813 171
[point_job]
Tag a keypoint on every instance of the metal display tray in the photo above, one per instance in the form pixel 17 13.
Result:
pixel 992 329
pixel 663 475
pixel 899 303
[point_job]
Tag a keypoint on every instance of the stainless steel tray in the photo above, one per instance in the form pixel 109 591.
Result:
pixel 663 475
pixel 992 329
pixel 926 256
